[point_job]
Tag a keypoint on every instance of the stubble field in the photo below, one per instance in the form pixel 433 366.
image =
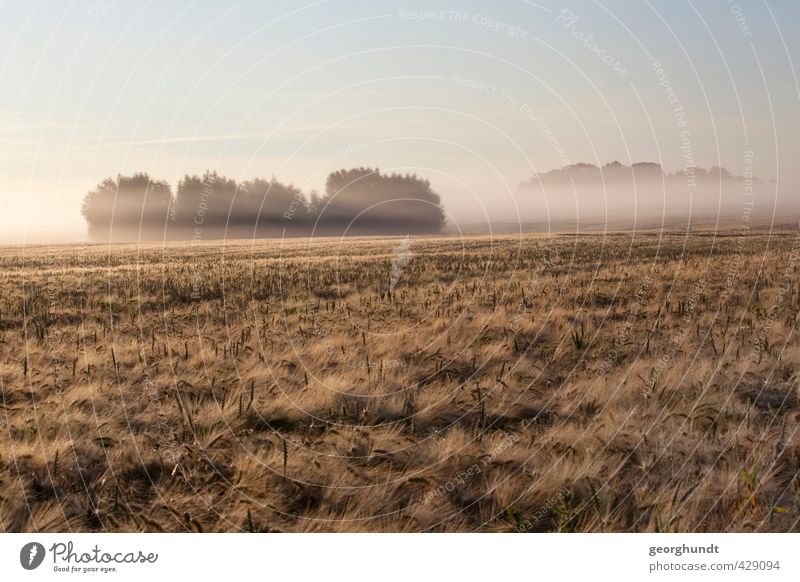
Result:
pixel 643 382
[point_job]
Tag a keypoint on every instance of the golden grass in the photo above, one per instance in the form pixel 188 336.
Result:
pixel 621 383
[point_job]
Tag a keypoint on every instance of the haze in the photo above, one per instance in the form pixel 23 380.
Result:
pixel 475 97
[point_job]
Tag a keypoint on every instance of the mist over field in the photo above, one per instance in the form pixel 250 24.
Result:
pixel 644 192
pixel 477 101
pixel 452 266
pixel 361 201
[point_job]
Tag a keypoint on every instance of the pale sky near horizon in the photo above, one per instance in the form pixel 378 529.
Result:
pixel 477 96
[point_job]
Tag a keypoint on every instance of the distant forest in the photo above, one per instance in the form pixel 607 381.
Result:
pixel 644 191
pixel 360 201
pixel 583 173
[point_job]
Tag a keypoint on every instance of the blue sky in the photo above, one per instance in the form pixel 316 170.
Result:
pixel 476 96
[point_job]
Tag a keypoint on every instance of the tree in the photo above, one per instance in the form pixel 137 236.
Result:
pixel 205 201
pixel 360 200
pixel 271 202
pixel 364 200
pixel 127 207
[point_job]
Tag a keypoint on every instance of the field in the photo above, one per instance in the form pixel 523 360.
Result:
pixel 531 383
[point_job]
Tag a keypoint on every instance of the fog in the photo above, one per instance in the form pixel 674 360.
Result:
pixel 358 201
pixel 644 194
pixel 263 90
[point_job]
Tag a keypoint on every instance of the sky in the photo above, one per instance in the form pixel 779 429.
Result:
pixel 475 96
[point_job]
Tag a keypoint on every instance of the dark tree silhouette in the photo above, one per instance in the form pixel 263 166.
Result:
pixel 357 201
pixel 217 207
pixel 274 203
pixel 640 171
pixel 205 201
pixel 364 200
pixel 127 208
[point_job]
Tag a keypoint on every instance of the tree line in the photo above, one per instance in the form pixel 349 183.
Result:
pixel 615 171
pixel 359 201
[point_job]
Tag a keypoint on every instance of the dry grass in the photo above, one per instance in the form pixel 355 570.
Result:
pixel 614 383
